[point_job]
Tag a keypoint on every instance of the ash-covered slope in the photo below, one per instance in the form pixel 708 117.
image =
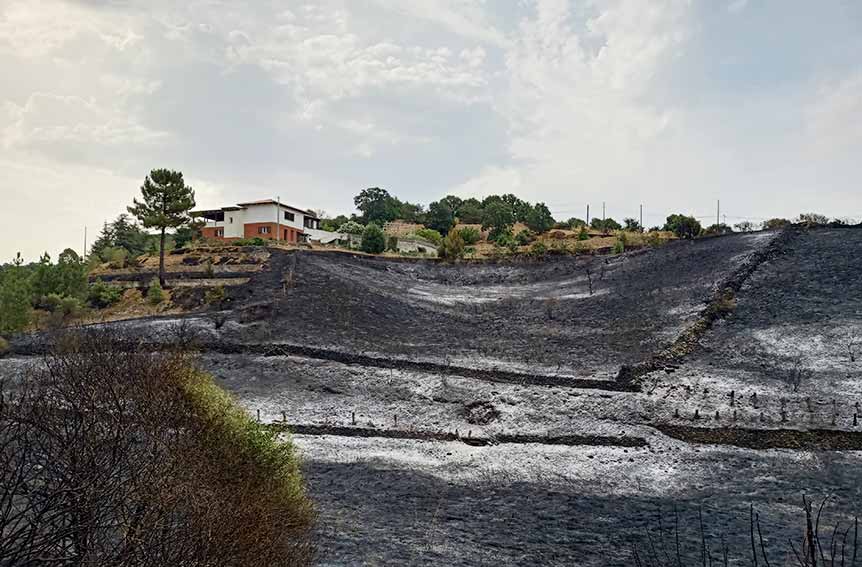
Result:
pixel 582 316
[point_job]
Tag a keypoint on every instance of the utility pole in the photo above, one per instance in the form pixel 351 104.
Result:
pixel 588 215
pixel 84 255
pixel 642 218
pixel 718 212
pixel 603 211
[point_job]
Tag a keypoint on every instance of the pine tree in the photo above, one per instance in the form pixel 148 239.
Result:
pixel 166 204
pixel 14 297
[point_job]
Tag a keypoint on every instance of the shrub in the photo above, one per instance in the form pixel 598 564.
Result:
pixel 65 306
pixel 506 240
pixel 256 241
pixel 392 243
pixel 524 237
pixel 215 295
pixel 452 247
pixel 470 235
pixel 619 245
pixel 115 257
pixel 773 224
pixel 4 347
pixel 177 454
pixel 155 293
pixel 373 239
pixel 430 234
pixel 538 249
pixel 101 295
pixel 683 226
pixel 812 219
pixel 583 234
pixel 351 227
pixel 574 223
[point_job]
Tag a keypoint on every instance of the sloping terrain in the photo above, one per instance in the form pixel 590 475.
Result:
pixel 578 316
pixel 469 414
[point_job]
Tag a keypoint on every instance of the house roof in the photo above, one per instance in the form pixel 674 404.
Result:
pixel 274 202
pixel 241 206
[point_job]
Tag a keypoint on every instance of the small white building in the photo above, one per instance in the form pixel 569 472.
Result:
pixel 266 219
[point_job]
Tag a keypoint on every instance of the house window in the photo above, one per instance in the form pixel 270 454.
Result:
pixel 219 232
pixel 289 216
pixel 230 219
pixel 311 223
pixel 263 230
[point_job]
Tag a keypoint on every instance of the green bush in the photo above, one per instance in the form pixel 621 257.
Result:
pixel 506 240
pixel 470 235
pixel 452 247
pixel 373 239
pixel 620 245
pixel 538 249
pixel 4 347
pixel 430 234
pixel 524 237
pixel 256 241
pixel 155 293
pixel 101 295
pixel 215 295
pixel 583 234
pixel 392 243
pixel 351 227
pixel 115 257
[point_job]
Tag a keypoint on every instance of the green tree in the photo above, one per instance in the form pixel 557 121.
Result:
pixel 186 234
pixel 166 203
pixel 15 294
pixel 683 226
pixel 441 216
pixel 377 206
pixel 497 216
pixel 539 218
pixel 606 225
pixel 373 239
pixel 470 211
pixel 121 233
pixel 575 223
pixel 632 225
pixel 411 212
pixel 332 224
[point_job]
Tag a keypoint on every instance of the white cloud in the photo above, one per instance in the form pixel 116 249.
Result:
pixel 47 117
pixel 737 6
pixel 834 116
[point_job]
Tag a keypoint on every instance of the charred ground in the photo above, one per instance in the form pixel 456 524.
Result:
pixel 417 358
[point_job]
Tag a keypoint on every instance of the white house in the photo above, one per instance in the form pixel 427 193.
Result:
pixel 267 219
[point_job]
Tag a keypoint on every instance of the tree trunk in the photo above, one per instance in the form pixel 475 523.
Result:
pixel 162 260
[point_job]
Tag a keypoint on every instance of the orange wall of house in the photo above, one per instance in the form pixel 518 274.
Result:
pixel 209 232
pixel 290 234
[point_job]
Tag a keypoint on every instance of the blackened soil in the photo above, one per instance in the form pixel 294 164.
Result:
pixel 797 322
pixel 375 515
pixel 498 314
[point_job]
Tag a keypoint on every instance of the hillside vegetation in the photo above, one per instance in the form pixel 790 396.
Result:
pixel 112 455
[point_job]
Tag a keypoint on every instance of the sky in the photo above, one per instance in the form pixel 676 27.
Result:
pixel 672 104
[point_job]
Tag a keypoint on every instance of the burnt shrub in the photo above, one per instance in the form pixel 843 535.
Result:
pixel 140 459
